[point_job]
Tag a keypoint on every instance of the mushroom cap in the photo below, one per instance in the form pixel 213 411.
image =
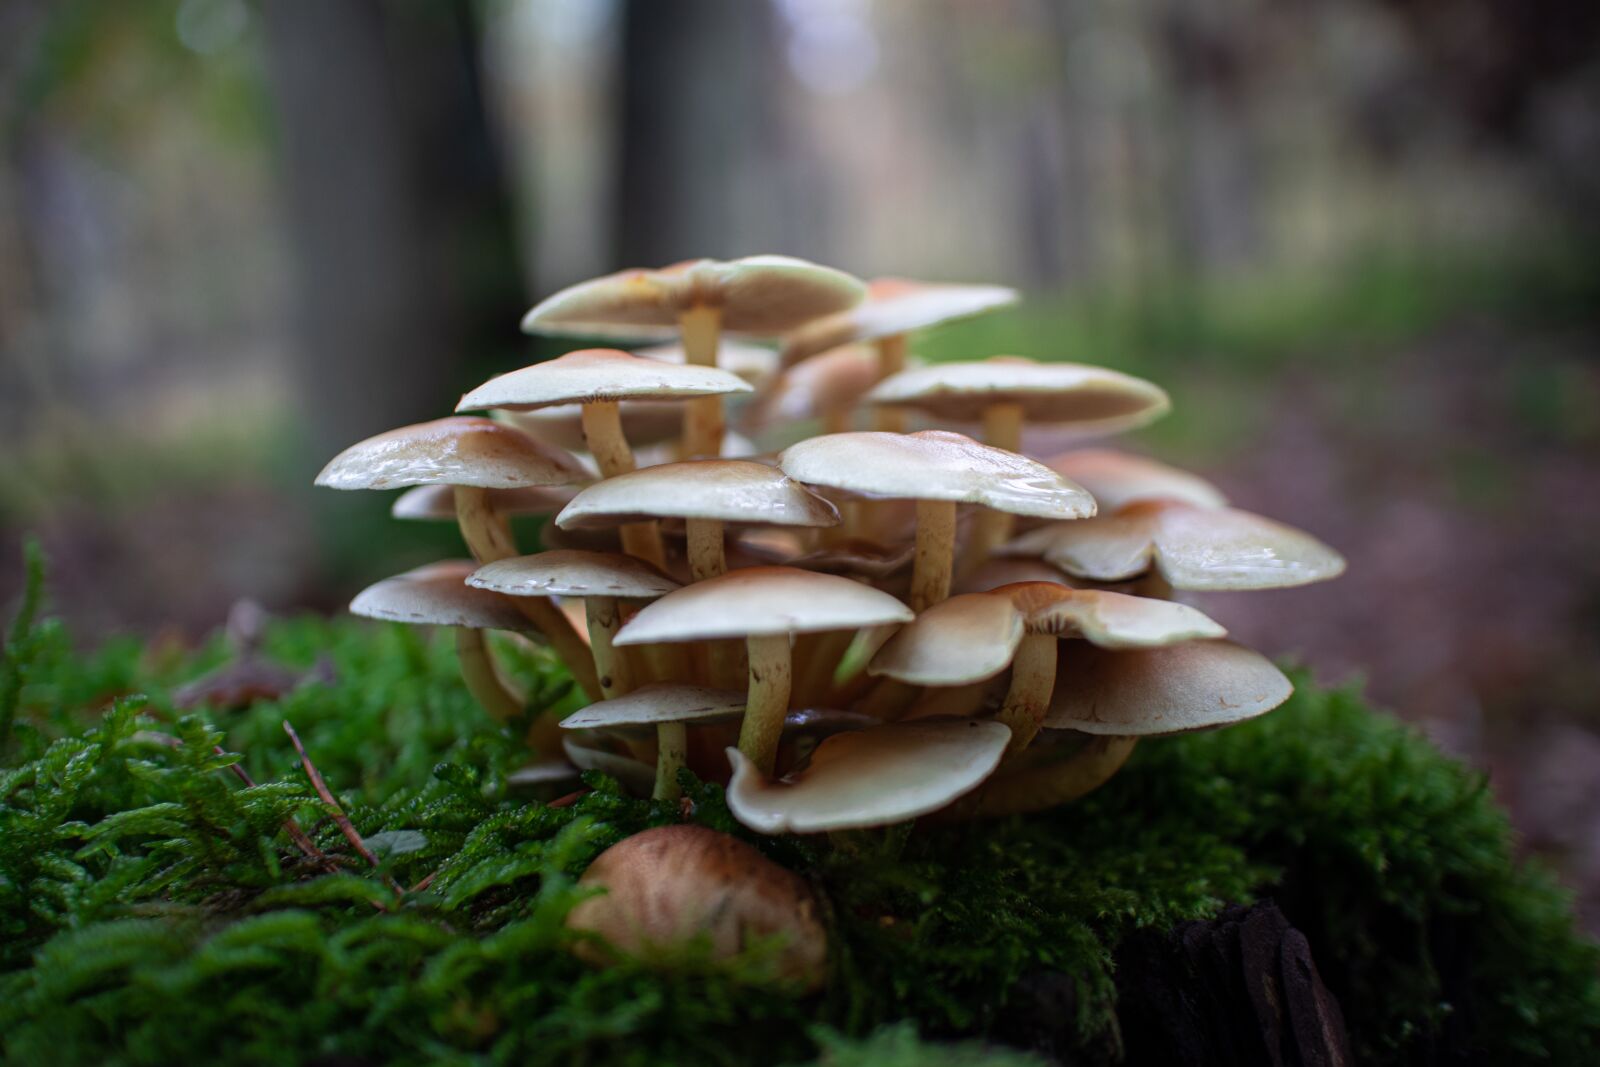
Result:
pixel 1117 479
pixel 1009 570
pixel 644 422
pixel 958 641
pixel 573 572
pixel 874 777
pixel 1167 690
pixel 834 381
pixel 460 450
pixel 672 884
pixel 729 490
pixel 1107 619
pixel 1191 547
pixel 936 465
pixel 761 601
pixel 894 306
pixel 437 595
pixel 594 374
pixel 663 702
pixel 756 364
pixel 757 294
pixel 1092 398
pixel 582 750
pixel 437 503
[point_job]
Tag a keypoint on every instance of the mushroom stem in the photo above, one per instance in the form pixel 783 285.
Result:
pixel 1033 677
pixel 602 432
pixel 672 750
pixel 701 329
pixel 1002 428
pixel 483 681
pixel 891 361
pixel 1049 784
pixel 489 539
pixel 768 700
pixel 604 617
pixel 706 557
pixel 936 546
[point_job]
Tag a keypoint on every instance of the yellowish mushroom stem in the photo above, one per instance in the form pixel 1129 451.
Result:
pixel 489 539
pixel 672 752
pixel 602 432
pixel 767 701
pixel 1033 678
pixel 483 681
pixel 1002 428
pixel 724 659
pixel 935 553
pixel 891 361
pixel 701 329
pixel 1047 785
pixel 604 617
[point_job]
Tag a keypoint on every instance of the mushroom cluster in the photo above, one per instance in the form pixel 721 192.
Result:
pixel 891 620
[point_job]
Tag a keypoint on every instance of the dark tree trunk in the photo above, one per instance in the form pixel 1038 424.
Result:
pixel 408 283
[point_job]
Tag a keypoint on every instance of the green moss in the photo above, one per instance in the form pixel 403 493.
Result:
pixel 153 910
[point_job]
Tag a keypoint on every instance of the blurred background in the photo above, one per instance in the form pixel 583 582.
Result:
pixel 1356 239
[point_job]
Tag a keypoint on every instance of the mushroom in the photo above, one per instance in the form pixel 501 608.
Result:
pixel 827 388
pixel 756 364
pixel 938 469
pixel 437 503
pixel 874 777
pixel 894 308
pixel 755 295
pixel 598 378
pixel 1117 479
pixel 765 606
pixel 1004 391
pixel 670 885
pixel 1188 547
pixel 436 595
pixel 668 710
pixel 475 456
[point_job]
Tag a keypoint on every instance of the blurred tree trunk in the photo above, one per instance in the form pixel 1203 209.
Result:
pixel 407 277
pixel 700 133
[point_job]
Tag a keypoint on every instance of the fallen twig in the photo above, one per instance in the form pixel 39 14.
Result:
pixel 337 812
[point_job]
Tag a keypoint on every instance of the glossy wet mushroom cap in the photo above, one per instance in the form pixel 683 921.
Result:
pixel 762 601
pixel 599 374
pixel 575 573
pixel 1118 479
pixel 460 450
pixel 659 703
pixel 1095 399
pixel 894 306
pixel 725 490
pixel 1108 619
pixel 437 595
pixel 959 641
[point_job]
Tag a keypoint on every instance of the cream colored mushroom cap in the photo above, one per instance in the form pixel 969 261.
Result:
pixel 595 374
pixel 834 381
pixel 659 703
pixel 636 776
pixel 757 294
pixel 762 601
pixel 573 572
pixel 874 777
pixel 1170 690
pixel 461 450
pixel 1192 548
pixel 437 503
pixel 936 465
pixel 1117 479
pixel 958 641
pixel 1008 570
pixel 644 422
pixel 895 306
pixel 727 490
pixel 1092 398
pixel 754 363
pixel 1107 619
pixel 437 595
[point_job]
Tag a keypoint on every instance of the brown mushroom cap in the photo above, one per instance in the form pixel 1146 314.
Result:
pixel 1191 547
pixel 1170 690
pixel 461 450
pixel 726 490
pixel 936 465
pixel 437 595
pixel 875 777
pixel 596 374
pixel 1117 479
pixel 672 884
pixel 653 704
pixel 1007 570
pixel 573 572
pixel 757 294
pixel 894 306
pixel 1096 399
pixel 832 382
pixel 762 601
pixel 958 641
pixel 437 503
pixel 1110 620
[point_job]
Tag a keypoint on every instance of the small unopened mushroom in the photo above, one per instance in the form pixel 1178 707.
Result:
pixel 1117 479
pixel 670 886
pixel 474 456
pixel 766 606
pixel 894 308
pixel 763 295
pixel 874 777
pixel 1199 548
pixel 938 470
